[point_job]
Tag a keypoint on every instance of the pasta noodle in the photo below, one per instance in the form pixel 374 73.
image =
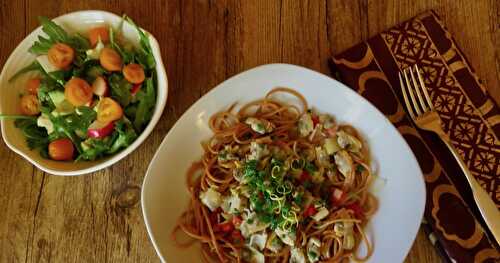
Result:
pixel 279 182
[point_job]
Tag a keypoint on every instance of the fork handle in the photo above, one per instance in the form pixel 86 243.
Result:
pixel 486 206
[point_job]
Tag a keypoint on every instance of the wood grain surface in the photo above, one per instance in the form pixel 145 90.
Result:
pixel 97 218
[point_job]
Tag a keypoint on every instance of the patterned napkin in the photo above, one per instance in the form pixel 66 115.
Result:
pixel 470 116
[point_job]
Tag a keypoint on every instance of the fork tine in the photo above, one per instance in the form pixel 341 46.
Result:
pixel 417 87
pixel 405 96
pixel 410 90
pixel 426 94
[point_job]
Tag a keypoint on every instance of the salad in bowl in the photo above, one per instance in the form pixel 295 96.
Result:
pixel 89 94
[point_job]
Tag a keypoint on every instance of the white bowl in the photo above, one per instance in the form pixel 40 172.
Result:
pixel 9 92
pixel 401 198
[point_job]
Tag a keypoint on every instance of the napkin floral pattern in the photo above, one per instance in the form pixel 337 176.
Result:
pixel 470 117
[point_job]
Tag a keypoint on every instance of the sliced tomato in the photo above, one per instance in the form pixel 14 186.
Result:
pixel 108 110
pixel 61 55
pixel 61 149
pixel 99 129
pixel 310 211
pixel 96 33
pixel 78 92
pixel 30 105
pixel 110 59
pixel 134 73
pixel 32 85
pixel 100 87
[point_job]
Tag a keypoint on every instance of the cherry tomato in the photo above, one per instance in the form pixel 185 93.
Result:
pixel 30 105
pixel 32 85
pixel 61 149
pixel 134 73
pixel 108 110
pixel 61 55
pixel 78 92
pixel 310 211
pixel 98 32
pixel 110 59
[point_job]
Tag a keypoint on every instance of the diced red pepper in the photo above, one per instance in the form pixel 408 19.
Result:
pixel 310 211
pixel 236 220
pixel 315 120
pixel 213 216
pixel 357 209
pixel 135 89
pixel 337 196
pixel 225 227
pixel 236 237
pixel 304 177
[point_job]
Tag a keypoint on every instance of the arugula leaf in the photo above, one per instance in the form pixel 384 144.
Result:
pixel 126 135
pixel 122 137
pixel 127 55
pixel 36 137
pixel 34 66
pixel 145 53
pixel 95 148
pixel 82 120
pixel 61 76
pixel 120 89
pixel 64 127
pixel 54 31
pixel 41 46
pixel 147 100
pixel 55 34
pixel 95 71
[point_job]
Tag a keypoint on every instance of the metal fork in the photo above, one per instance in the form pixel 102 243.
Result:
pixel 422 112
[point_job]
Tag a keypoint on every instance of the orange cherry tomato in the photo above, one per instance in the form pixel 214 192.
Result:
pixel 61 55
pixel 30 105
pixel 78 92
pixel 61 149
pixel 98 32
pixel 134 73
pixel 32 85
pixel 108 110
pixel 110 59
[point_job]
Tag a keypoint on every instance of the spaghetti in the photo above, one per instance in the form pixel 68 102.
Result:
pixel 279 182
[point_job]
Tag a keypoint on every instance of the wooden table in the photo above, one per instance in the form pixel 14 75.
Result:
pixel 97 218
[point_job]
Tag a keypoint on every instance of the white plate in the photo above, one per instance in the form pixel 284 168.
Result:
pixel 402 196
pixel 9 92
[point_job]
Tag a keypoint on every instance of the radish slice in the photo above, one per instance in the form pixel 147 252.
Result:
pixel 100 87
pixel 99 129
pixel 135 89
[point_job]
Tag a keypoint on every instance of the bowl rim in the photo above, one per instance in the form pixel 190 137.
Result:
pixel 405 144
pixel 161 101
